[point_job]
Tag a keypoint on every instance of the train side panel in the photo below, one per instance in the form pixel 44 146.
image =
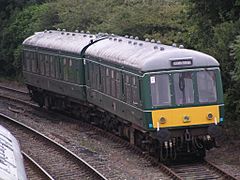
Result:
pixel 115 91
pixel 56 73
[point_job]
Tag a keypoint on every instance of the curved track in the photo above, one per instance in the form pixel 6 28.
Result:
pixel 34 170
pixel 60 162
pixel 200 171
pixel 13 90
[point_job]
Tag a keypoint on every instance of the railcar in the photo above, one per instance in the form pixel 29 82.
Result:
pixel 167 100
pixel 11 163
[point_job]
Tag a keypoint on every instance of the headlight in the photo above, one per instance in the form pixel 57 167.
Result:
pixel 186 119
pixel 210 116
pixel 162 120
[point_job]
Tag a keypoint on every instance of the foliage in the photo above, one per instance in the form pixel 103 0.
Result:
pixel 150 20
pixel 21 25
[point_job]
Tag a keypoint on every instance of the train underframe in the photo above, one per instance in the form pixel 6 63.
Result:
pixel 165 144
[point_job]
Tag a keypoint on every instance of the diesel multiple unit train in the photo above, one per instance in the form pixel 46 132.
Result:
pixel 11 159
pixel 166 100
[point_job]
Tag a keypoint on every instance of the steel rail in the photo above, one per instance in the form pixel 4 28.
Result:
pixel 36 166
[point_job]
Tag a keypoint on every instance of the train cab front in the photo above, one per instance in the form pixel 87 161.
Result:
pixel 186 110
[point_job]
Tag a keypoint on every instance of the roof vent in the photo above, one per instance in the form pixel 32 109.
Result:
pixel 174 45
pixel 50 31
pixel 90 36
pixel 137 38
pixel 152 41
pixel 88 32
pixel 68 33
pixel 120 40
pixel 84 35
pixel 131 37
pixel 147 40
pixel 112 34
pixel 115 39
pixel 73 34
pixel 155 47
pixel 161 48
pixel 64 30
pixel 181 46
pixel 140 44
pixel 106 34
pixel 82 31
pixel 58 29
pixel 45 30
pixel 135 43
pixel 62 33
pixel 110 38
pixel 158 42
pixel 126 36
pixel 129 42
pixel 76 31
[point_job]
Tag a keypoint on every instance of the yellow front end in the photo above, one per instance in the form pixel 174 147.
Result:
pixel 188 116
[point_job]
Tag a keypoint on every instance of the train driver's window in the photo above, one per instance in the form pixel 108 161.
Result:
pixel 183 88
pixel 206 82
pixel 160 90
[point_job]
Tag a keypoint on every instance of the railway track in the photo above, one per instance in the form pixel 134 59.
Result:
pixel 200 170
pixel 60 162
pixel 34 170
pixel 22 92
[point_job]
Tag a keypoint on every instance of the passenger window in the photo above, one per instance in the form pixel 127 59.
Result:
pixel 77 71
pixel 113 84
pixel 93 75
pixel 34 62
pixel 71 71
pixel 108 82
pixel 100 77
pixel 118 85
pixel 65 69
pixel 52 66
pixel 57 65
pixel 128 91
pixel 47 65
pixel 103 74
pixel 28 61
pixel 135 91
pixel 88 70
pixel 41 62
